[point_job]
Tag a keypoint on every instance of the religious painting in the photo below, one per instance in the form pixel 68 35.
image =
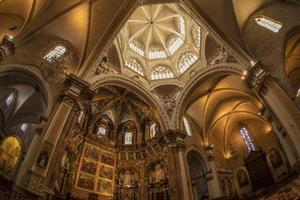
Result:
pixel 275 159
pixel 85 182
pixel 88 167
pixel 242 178
pixel 42 160
pixel 108 159
pixel 104 186
pixel 91 152
pixel 106 172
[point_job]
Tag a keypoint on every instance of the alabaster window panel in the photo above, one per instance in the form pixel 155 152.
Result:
pixel 134 65
pixel 187 126
pixel 55 53
pixel 128 138
pixel 268 23
pixel 186 61
pixel 24 127
pixel 161 72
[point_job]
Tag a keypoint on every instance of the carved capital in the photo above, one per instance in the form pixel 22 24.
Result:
pixel 7 48
pixel 258 78
pixel 209 152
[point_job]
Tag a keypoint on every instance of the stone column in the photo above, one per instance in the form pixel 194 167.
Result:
pixel 59 123
pixel 284 139
pixel 7 48
pixel 178 146
pixel 277 101
pixel 212 178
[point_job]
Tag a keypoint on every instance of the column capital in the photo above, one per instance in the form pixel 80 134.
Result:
pixel 7 47
pixel 76 88
pixel 209 149
pixel 258 78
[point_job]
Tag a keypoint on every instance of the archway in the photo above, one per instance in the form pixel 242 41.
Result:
pixel 10 151
pixel 197 176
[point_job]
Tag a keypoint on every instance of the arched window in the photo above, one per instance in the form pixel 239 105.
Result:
pixel 153 130
pixel 268 23
pixel 247 139
pixel 196 32
pixel 24 127
pixel 128 138
pixel 9 99
pixel 187 126
pixel 161 72
pixel 101 131
pixel 136 47
pixel 186 61
pixel 80 117
pixel 134 65
pixel 55 53
pixel 298 93
pixel 174 44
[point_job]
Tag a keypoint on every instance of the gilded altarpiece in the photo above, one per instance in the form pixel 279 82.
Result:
pixel 96 170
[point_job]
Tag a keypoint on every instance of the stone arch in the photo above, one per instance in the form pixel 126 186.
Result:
pixel 194 83
pixel 36 75
pixel 136 88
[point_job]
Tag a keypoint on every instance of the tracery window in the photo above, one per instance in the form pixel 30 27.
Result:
pixel 174 44
pixel 101 131
pixel 268 23
pixel 24 127
pixel 161 72
pixel 134 65
pixel 9 99
pixel 186 61
pixel 196 32
pixel 187 126
pixel 152 130
pixel 128 138
pixel 136 48
pixel 54 53
pixel 157 54
pixel 247 139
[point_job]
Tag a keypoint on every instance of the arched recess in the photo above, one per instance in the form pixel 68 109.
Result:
pixel 292 61
pixel 141 92
pixel 10 152
pixel 197 172
pixel 196 81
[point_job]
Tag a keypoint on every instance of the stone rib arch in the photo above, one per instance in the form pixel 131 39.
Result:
pixel 139 91
pixel 194 83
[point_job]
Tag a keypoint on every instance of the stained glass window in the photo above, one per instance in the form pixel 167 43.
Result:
pixel 54 53
pixel 9 99
pixel 161 72
pixel 186 61
pixel 247 139
pixel 24 127
pixel 268 23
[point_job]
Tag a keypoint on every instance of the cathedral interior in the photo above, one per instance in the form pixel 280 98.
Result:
pixel 149 99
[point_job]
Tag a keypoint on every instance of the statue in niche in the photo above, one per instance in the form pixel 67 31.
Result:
pixel 221 57
pixel 159 174
pixel 43 159
pixel 127 178
pixel 242 178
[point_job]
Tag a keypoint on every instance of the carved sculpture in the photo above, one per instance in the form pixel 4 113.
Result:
pixel 221 57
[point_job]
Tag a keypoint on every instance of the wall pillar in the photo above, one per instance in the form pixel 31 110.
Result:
pixel 62 119
pixel 212 178
pixel 7 48
pixel 277 101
